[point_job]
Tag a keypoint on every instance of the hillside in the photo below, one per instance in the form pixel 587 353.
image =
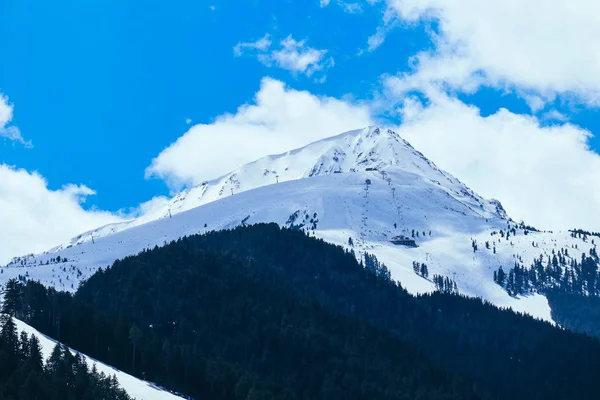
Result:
pixel 136 388
pixel 289 316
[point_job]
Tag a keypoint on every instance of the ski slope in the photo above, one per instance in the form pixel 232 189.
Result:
pixel 360 150
pixel 367 185
pixel 136 388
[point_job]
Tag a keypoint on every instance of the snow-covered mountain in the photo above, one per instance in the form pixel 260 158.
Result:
pixel 360 189
pixel 365 150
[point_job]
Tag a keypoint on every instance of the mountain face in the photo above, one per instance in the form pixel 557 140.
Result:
pixel 367 150
pixel 367 190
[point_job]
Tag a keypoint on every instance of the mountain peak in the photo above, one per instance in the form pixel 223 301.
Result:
pixel 373 150
pixel 372 130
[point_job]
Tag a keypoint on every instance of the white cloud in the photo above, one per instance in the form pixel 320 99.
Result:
pixel 537 49
pixel 546 175
pixel 351 8
pixel 279 119
pixel 297 57
pixel 261 44
pixel 7 131
pixel 377 39
pixel 554 115
pixel 34 218
pixel 541 46
pixel 390 21
pixel 291 55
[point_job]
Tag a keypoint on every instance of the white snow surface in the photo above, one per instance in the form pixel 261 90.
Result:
pixel 136 388
pixel 369 185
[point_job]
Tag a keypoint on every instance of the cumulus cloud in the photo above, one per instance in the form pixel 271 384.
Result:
pixel 34 218
pixel 540 47
pixel 279 119
pixel 545 175
pixel 8 131
pixel 291 55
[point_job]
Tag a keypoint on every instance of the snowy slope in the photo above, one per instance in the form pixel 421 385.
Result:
pixel 355 151
pixel 368 185
pixel 136 388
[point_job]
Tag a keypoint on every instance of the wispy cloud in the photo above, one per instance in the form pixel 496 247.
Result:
pixel 261 44
pixel 290 54
pixel 349 7
pixel 8 131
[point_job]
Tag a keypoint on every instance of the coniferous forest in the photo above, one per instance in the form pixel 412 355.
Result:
pixel 571 285
pixel 262 312
pixel 64 376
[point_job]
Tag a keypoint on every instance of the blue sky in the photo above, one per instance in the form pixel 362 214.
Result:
pixel 100 88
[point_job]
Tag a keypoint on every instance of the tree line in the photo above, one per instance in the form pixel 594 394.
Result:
pixel 64 376
pixel 266 312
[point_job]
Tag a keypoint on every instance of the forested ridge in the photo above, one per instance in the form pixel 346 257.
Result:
pixel 24 374
pixel 222 332
pixel 263 312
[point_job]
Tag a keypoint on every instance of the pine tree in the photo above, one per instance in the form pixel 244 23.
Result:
pixel 135 335
pixel 424 271
pixel 34 359
pixel 12 298
pixel 9 340
pixel 24 345
pixel 53 364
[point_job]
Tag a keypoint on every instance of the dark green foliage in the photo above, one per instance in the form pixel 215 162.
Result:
pixel 264 312
pixel 421 269
pixel 372 264
pixel 562 276
pixel 583 234
pixel 216 327
pixel 424 271
pixel 576 312
pixel 527 228
pixel 444 284
pixel 65 376
pixel 12 297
